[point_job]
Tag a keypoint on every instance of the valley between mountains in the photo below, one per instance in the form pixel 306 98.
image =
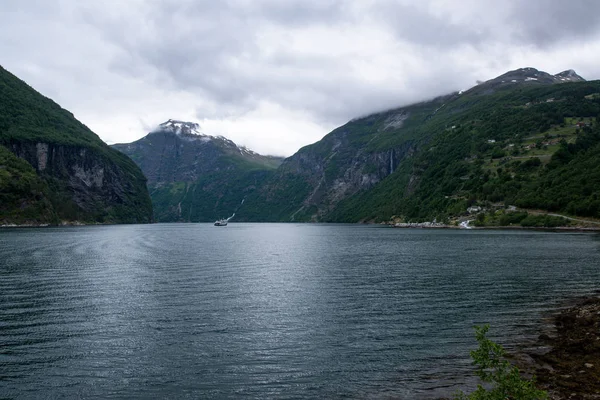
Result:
pixel 522 149
pixel 526 140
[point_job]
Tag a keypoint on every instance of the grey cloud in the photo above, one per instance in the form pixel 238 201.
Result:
pixel 420 27
pixel 204 46
pixel 540 23
pixel 39 7
pixel 232 56
pixel 197 46
pixel 545 23
pixel 301 12
pixel 189 43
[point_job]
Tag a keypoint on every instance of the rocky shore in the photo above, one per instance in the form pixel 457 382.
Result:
pixel 566 359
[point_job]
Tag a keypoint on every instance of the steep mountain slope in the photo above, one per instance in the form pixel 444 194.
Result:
pixel 63 170
pixel 491 144
pixel 353 158
pixel 196 177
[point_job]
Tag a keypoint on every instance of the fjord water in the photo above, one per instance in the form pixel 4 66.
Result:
pixel 270 310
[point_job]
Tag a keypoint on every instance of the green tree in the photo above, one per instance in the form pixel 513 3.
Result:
pixel 481 218
pixel 504 380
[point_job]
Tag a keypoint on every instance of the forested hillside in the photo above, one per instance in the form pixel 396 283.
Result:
pixel 526 138
pixel 54 169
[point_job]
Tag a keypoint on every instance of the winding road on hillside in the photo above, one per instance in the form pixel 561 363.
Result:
pixel 538 212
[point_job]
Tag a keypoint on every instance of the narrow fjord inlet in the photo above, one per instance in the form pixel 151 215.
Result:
pixel 270 310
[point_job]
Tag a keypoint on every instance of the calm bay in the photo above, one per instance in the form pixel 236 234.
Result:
pixel 270 310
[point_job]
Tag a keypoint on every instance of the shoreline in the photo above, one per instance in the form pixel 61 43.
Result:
pixel 565 358
pixel 413 225
pixel 46 225
pixel 429 225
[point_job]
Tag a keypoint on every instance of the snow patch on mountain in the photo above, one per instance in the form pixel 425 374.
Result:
pixel 180 127
pixel 190 132
pixel 532 76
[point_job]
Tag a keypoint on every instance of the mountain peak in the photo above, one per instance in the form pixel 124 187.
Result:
pixel 532 75
pixel 569 76
pixel 180 127
pixel 527 76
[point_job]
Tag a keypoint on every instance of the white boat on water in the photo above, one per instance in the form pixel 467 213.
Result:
pixel 223 222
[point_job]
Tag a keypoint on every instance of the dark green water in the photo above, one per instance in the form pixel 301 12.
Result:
pixel 269 310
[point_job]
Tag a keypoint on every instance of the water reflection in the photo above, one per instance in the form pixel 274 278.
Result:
pixel 269 310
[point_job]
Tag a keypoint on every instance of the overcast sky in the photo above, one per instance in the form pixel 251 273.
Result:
pixel 275 75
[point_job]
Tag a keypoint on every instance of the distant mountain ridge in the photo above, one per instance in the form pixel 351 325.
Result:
pixel 193 176
pixel 529 74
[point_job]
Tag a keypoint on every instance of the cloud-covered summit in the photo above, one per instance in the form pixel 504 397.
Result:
pixel 276 75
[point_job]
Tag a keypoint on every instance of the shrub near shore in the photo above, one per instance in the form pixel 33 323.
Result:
pixel 503 380
pixel 520 218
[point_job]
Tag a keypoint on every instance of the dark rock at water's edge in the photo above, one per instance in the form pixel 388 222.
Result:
pixel 566 360
pixel 54 170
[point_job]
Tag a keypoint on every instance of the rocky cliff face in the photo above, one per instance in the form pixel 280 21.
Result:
pixel 24 196
pixel 344 172
pixel 353 158
pixel 96 186
pixel 67 173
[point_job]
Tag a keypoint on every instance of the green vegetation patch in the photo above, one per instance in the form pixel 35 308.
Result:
pixel 503 381
pixel 23 195
pixel 478 147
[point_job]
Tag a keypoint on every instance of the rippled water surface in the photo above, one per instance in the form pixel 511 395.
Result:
pixel 269 310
